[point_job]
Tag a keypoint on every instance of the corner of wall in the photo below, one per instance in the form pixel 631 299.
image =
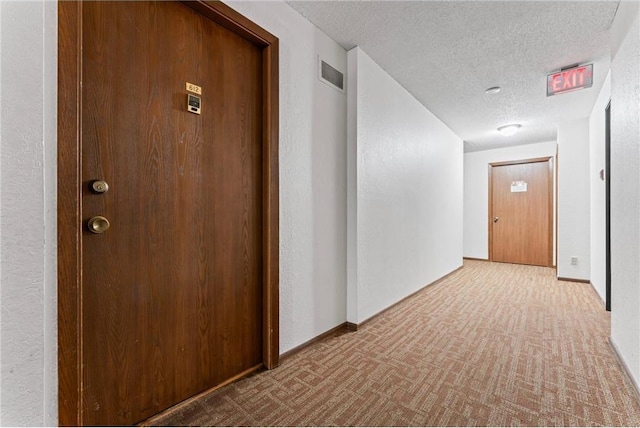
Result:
pixel 573 200
pixel 352 185
pixel 405 186
pixel 627 13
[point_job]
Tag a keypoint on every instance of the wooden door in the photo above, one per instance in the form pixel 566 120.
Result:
pixel 172 293
pixel 520 212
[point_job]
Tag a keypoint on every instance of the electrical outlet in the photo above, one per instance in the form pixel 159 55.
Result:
pixel 574 260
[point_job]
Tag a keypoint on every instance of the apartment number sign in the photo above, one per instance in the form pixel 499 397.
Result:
pixel 194 88
pixel 194 102
pixel 518 186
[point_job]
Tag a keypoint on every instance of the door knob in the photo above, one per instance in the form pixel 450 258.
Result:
pixel 99 186
pixel 495 219
pixel 98 224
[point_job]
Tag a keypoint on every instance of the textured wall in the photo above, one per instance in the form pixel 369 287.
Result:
pixel 28 85
pixel 625 196
pixel 476 191
pixel 312 176
pixel 573 199
pixel 597 189
pixel 409 192
pixel 352 186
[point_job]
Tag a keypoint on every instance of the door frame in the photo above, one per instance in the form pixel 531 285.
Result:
pixel 551 200
pixel 70 362
pixel 607 198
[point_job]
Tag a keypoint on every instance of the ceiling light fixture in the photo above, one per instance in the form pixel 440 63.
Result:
pixel 509 130
pixel 493 90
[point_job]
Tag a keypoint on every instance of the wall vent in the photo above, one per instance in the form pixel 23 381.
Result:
pixel 330 76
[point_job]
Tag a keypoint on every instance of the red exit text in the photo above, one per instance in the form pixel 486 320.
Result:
pixel 570 80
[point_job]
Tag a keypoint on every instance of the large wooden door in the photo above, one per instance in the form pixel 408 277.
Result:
pixel 520 212
pixel 172 292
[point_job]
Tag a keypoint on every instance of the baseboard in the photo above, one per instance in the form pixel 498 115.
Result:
pixel 476 259
pixel 624 366
pixel 582 281
pixel 437 281
pixel 344 327
pixel 351 326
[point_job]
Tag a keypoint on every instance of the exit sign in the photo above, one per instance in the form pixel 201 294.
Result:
pixel 570 80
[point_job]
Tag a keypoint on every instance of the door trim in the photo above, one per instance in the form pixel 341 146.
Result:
pixel 550 210
pixel 607 199
pixel 70 197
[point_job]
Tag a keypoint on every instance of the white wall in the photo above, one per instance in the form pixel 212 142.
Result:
pixel 28 85
pixel 408 189
pixel 476 191
pixel 573 199
pixel 625 188
pixel 597 189
pixel 313 211
pixel 313 197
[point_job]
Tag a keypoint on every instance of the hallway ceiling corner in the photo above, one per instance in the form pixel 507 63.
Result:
pixel 447 53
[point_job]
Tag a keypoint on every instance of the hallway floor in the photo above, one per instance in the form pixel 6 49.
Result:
pixel 491 345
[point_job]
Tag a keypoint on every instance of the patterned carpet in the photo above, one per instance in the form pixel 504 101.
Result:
pixel 491 345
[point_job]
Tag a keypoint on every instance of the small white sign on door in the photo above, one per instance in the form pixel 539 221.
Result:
pixel 518 186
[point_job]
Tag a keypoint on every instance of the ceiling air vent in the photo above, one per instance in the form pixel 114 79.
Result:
pixel 330 76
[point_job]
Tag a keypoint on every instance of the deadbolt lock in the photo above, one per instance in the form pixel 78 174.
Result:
pixel 495 219
pixel 98 224
pixel 99 186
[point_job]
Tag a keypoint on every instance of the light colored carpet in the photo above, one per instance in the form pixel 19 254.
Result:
pixel 491 345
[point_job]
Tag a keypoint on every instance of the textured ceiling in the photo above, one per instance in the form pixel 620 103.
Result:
pixel 446 53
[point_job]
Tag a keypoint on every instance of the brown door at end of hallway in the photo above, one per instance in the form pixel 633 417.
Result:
pixel 172 290
pixel 520 212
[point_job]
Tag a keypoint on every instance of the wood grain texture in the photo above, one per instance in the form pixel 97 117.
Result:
pixel 229 18
pixel 186 403
pixel 271 201
pixel 181 293
pixel 523 232
pixel 69 250
pixel 173 291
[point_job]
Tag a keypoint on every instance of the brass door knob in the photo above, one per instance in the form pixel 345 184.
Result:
pixel 98 224
pixel 99 186
pixel 495 219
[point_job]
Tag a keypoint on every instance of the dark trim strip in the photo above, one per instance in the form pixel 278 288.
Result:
pixel 476 259
pixel 582 281
pixel 607 199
